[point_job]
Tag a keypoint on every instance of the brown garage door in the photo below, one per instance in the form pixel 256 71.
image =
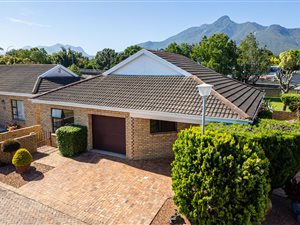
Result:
pixel 109 134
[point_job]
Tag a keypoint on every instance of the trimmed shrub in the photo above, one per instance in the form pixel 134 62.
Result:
pixel 10 146
pixel 5 157
pixel 72 140
pixel 280 141
pixel 218 179
pixel 22 157
pixel 292 101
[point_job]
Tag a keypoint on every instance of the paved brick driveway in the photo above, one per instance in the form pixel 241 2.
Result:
pixel 17 209
pixel 99 189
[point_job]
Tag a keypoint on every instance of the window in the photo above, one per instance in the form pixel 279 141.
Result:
pixel 157 126
pixel 17 110
pixel 61 117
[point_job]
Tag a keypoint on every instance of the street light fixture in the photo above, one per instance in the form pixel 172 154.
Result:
pixel 204 91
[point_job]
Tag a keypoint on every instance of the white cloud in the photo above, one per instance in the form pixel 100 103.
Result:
pixel 27 23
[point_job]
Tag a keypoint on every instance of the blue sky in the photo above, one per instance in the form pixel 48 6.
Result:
pixel 95 25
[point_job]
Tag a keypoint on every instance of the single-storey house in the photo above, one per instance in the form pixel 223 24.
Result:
pixel 137 107
pixel 21 82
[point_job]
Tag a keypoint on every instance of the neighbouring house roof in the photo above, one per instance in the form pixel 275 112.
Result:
pixel 168 95
pixel 33 78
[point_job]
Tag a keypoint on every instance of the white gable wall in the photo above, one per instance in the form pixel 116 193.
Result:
pixel 59 71
pixel 145 65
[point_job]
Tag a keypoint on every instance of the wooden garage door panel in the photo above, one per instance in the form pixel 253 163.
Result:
pixel 109 134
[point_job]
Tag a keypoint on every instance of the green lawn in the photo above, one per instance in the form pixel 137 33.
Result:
pixel 277 104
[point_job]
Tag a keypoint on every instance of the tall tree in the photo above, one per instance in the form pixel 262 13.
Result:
pixel 106 58
pixel 186 49
pixel 33 55
pixel 289 63
pixel 217 52
pixel 174 48
pixel 182 49
pixel 127 52
pixel 253 61
pixel 67 57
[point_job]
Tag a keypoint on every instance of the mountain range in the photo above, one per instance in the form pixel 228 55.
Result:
pixel 275 37
pixel 57 47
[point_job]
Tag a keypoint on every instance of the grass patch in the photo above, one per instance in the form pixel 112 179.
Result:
pixel 277 104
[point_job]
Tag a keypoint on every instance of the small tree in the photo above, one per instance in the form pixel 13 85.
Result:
pixel 289 63
pixel 253 61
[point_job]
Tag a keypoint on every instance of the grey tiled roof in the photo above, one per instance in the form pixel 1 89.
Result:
pixel 21 78
pixel 173 94
pixel 47 84
pixel 245 97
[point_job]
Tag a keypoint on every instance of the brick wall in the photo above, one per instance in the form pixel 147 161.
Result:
pixel 28 141
pixel 282 115
pixel 84 117
pixel 147 145
pixel 19 132
pixel 6 111
pixel 139 142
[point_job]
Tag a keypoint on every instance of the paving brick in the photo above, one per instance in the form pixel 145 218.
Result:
pixel 17 209
pixel 98 189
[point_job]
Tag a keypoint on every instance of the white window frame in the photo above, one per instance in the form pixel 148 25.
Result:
pixel 18 110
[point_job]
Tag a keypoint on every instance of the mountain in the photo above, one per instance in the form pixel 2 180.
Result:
pixel 275 37
pixel 57 47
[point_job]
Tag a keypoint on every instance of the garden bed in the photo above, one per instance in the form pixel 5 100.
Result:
pixel 9 176
pixel 277 104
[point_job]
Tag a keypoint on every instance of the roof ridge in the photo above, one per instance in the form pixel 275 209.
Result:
pixel 65 86
pixel 225 101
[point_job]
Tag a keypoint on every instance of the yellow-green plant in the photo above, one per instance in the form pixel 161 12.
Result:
pixel 22 157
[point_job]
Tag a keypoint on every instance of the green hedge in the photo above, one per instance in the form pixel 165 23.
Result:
pixel 219 179
pixel 292 101
pixel 279 139
pixel 72 140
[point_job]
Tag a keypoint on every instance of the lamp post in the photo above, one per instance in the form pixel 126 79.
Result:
pixel 204 91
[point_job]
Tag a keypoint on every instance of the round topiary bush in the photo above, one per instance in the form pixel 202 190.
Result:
pixel 217 180
pixel 21 158
pixel 10 146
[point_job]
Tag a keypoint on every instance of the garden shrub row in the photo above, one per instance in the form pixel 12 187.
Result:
pixel 72 140
pixel 218 179
pixel 280 141
pixel 292 101
pixel 225 176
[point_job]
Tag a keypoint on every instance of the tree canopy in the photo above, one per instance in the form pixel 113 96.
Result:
pixel 289 63
pixel 252 61
pixel 217 52
pixel 103 60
